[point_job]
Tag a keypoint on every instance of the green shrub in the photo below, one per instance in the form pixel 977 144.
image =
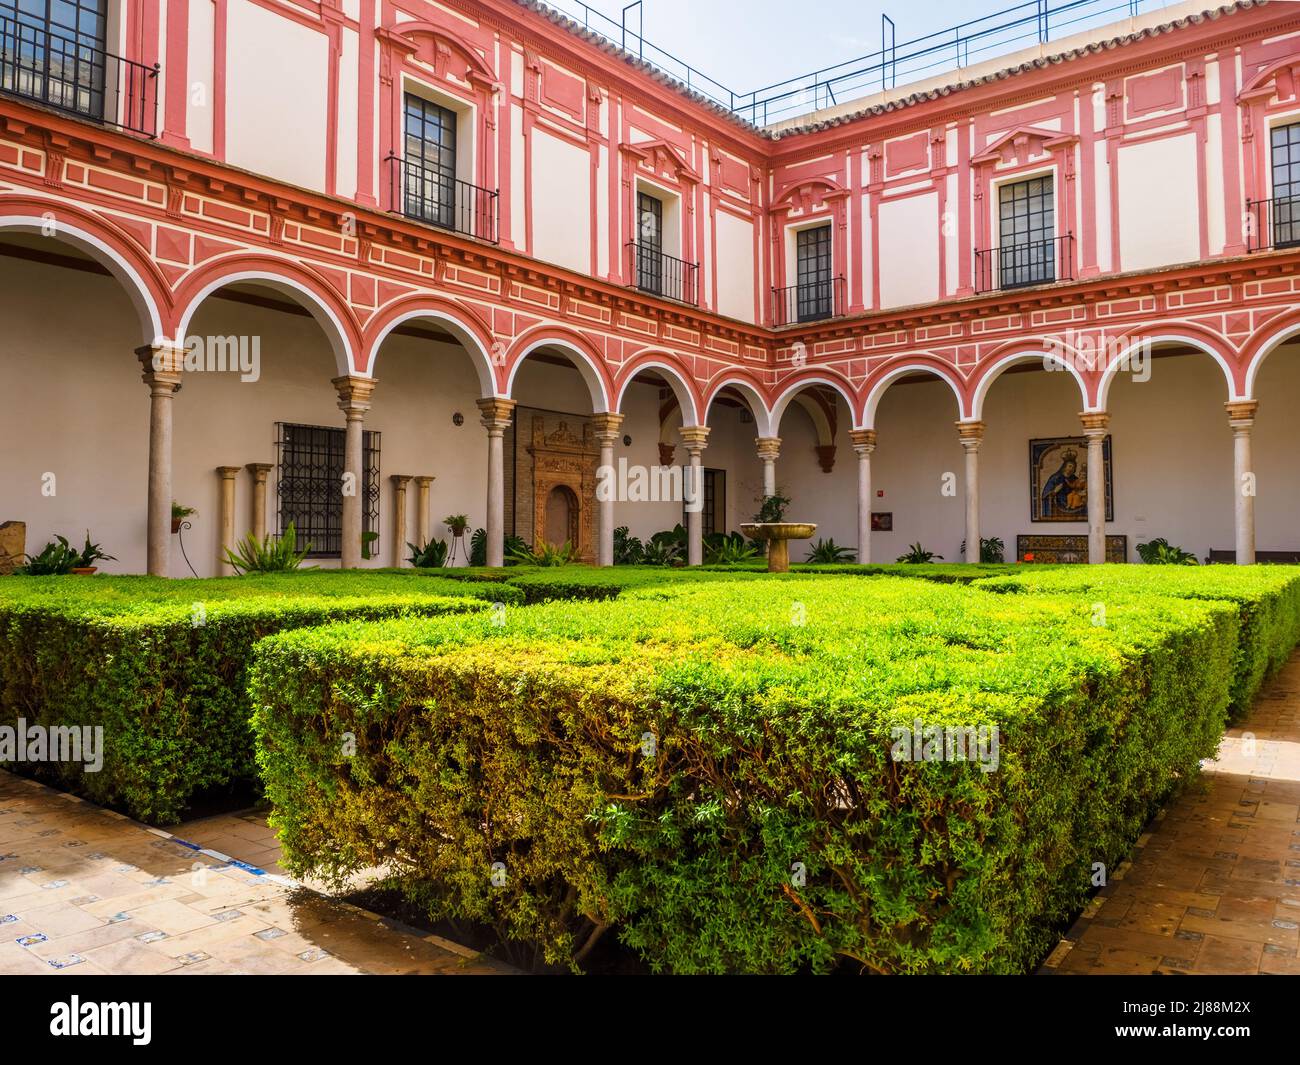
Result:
pixel 161 666
pixel 769 707
pixel 271 554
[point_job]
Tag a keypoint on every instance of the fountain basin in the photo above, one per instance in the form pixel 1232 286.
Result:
pixel 777 535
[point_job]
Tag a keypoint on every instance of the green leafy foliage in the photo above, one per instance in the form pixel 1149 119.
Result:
pixel 772 508
pixel 992 549
pixel 828 553
pixel 917 554
pixel 660 764
pixel 161 665
pixel 432 555
pixel 543 555
pixel 56 558
pixel 272 554
pixel 628 550
pixel 1160 552
pixel 728 549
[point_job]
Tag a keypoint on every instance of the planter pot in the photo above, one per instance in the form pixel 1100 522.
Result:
pixel 84 571
pixel 176 525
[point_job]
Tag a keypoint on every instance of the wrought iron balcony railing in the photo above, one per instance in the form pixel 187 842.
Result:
pixel 812 301
pixel 427 194
pixel 1273 223
pixel 73 76
pixel 663 275
pixel 1034 262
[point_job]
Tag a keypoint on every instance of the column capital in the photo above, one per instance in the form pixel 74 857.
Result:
pixel 1241 412
pixel 695 438
pixel 162 365
pixel 769 447
pixel 667 452
pixel 495 414
pixel 864 440
pixel 1095 422
pixel 228 473
pixel 424 482
pixel 971 434
pixel 400 480
pixel 354 394
pixel 259 470
pixel 606 427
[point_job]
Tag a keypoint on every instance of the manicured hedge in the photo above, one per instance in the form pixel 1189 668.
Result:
pixel 161 665
pixel 771 705
pixel 1267 598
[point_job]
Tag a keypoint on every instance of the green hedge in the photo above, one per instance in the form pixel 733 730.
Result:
pixel 1267 598
pixel 161 666
pixel 772 706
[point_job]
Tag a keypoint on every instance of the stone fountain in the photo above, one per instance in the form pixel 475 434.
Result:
pixel 777 535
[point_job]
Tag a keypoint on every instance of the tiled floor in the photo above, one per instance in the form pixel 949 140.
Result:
pixel 86 891
pixel 1214 887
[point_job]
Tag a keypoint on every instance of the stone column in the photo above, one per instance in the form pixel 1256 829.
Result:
pixel 495 416
pixel 695 437
pixel 422 529
pixel 1095 426
pixel 864 443
pixel 400 481
pixel 162 365
pixel 769 450
pixel 259 471
pixel 1241 417
pixel 972 435
pixel 606 427
pixel 226 518
pixel 354 401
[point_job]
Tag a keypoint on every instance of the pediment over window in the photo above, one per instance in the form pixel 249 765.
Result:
pixel 447 53
pixel 1281 79
pixel 809 194
pixel 1021 144
pixel 661 158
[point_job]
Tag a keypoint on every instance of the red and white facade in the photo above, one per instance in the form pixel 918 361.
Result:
pixel 270 203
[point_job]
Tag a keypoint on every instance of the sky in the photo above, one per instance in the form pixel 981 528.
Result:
pixel 749 44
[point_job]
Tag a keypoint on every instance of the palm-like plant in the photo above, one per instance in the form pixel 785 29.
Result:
pixel 544 555
pixel 1160 552
pixel 918 554
pixel 829 553
pixel 992 549
pixel 272 554
pixel 432 555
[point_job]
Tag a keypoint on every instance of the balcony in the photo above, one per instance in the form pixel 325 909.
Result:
pixel 812 301
pixel 1273 223
pixel 70 75
pixel 429 195
pixel 663 275
pixel 1034 262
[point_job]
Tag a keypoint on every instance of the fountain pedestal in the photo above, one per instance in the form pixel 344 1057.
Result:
pixel 777 535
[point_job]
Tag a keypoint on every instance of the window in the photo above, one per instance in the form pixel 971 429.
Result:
pixel 430 162
pixel 1027 233
pixel 310 485
pixel 53 51
pixel 649 244
pixel 1286 185
pixel 713 516
pixel 813 292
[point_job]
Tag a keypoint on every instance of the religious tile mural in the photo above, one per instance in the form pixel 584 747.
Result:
pixel 1058 479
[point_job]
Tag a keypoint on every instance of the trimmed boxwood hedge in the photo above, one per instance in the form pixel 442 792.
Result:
pixel 771 707
pixel 161 665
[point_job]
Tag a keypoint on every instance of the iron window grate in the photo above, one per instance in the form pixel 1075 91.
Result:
pixel 309 486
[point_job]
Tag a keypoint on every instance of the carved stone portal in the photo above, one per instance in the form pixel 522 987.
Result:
pixel 564 487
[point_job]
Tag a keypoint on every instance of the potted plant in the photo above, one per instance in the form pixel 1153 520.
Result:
pixel 457 525
pixel 179 513
pixel 89 555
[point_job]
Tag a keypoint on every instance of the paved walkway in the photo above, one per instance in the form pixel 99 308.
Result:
pixel 84 890
pixel 1214 887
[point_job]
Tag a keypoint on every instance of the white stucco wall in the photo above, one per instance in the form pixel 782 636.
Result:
pixel 909 250
pixel 561 199
pixel 1159 220
pixel 735 267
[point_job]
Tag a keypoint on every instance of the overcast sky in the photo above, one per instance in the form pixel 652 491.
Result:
pixel 748 44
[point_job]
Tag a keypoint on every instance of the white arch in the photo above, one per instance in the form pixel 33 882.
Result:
pixel 1275 341
pixel 581 361
pixel 151 327
pixel 299 293
pixel 878 390
pixel 1123 358
pixel 1006 361
pixel 477 354
pixel 784 399
pixel 685 400
pixel 758 408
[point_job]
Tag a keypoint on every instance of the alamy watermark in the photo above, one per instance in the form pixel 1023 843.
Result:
pixel 1086 352
pixel 629 483
pixel 59 743
pixel 219 354
pixel 919 742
